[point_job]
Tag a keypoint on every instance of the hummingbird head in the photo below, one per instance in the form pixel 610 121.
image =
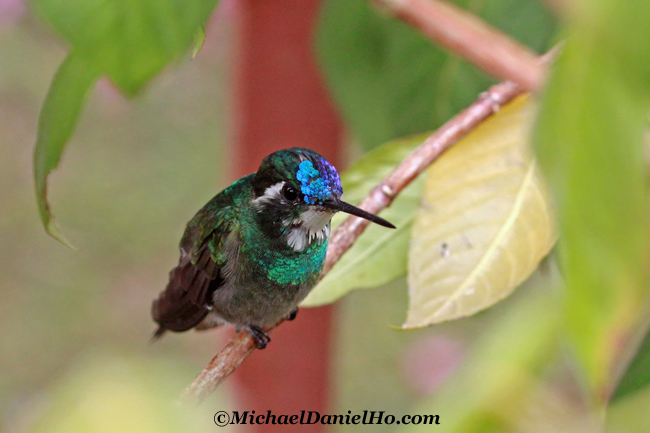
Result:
pixel 297 192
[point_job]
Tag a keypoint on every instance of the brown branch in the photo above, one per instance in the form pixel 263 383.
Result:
pixel 383 194
pixel 221 366
pixel 342 238
pixel 471 38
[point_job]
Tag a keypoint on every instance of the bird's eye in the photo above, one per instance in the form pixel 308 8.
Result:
pixel 289 193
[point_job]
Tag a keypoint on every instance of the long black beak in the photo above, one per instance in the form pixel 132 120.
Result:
pixel 341 206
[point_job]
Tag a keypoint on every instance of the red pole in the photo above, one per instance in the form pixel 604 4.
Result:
pixel 280 102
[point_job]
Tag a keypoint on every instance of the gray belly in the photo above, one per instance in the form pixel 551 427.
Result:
pixel 262 304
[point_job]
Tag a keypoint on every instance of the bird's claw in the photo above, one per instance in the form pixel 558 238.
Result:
pixel 261 338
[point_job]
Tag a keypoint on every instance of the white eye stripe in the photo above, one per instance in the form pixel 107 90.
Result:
pixel 272 193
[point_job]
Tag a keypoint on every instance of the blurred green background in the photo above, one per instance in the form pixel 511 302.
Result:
pixel 76 324
pixel 74 351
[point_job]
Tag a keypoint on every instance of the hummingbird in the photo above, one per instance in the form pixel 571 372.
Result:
pixel 256 249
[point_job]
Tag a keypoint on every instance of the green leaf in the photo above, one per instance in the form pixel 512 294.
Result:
pixel 637 375
pixel 199 39
pixel 56 123
pixel 484 223
pixel 390 81
pixel 130 41
pixel 590 144
pixel 379 255
pixel 493 386
pixel 630 414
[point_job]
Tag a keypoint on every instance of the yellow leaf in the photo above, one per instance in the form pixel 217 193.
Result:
pixel 484 223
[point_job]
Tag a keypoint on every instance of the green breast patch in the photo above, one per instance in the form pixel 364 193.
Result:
pixel 294 269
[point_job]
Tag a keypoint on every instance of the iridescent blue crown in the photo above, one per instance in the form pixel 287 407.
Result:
pixel 319 182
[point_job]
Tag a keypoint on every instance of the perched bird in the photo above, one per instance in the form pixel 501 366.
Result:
pixel 254 251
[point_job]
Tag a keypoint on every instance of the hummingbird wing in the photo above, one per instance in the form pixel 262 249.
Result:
pixel 187 299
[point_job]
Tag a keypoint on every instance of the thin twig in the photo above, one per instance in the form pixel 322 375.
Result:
pixel 383 194
pixel 448 134
pixel 221 366
pixel 342 238
pixel 469 37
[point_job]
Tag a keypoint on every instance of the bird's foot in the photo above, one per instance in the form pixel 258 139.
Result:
pixel 261 338
pixel 293 314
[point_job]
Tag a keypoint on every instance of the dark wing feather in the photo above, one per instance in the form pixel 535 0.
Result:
pixel 187 299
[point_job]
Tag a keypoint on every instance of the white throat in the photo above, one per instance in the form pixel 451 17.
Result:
pixel 312 226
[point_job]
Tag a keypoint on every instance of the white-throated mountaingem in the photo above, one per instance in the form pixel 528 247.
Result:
pixel 254 251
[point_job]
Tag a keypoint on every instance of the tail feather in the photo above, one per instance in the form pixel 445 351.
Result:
pixel 185 301
pixel 159 333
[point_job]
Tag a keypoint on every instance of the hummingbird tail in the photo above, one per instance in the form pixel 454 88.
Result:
pixel 159 333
